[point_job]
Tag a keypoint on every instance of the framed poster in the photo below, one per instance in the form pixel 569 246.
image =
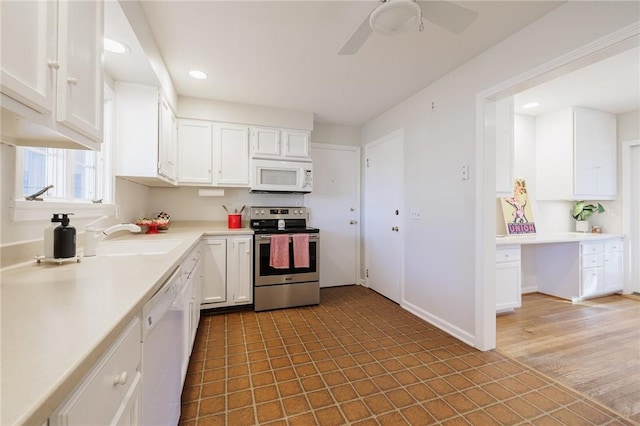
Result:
pixel 516 210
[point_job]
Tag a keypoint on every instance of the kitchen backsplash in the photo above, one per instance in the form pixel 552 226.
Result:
pixel 185 204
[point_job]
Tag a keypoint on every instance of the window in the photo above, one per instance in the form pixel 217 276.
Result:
pixel 81 179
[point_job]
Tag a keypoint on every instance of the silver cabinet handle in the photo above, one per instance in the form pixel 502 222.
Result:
pixel 53 64
pixel 72 80
pixel 395 228
pixel 353 222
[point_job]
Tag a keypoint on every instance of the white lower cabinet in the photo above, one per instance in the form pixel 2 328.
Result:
pixel 508 278
pixel 613 266
pixel 192 277
pixel 601 269
pixel 111 392
pixel 228 271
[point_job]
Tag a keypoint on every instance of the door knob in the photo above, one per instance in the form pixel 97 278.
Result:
pixel 353 222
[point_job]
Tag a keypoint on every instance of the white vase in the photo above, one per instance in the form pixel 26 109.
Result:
pixel 582 226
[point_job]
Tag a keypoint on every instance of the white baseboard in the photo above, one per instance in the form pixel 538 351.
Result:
pixel 443 325
pixel 530 289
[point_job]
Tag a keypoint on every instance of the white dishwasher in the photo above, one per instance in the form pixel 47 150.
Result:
pixel 162 354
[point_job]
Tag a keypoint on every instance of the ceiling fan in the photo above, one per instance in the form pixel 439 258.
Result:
pixel 398 16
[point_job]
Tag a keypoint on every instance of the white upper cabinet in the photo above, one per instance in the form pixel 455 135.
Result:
pixel 167 142
pixel 28 67
pixel 195 145
pixel 139 136
pixel 231 148
pixel 504 147
pixel 52 74
pixel 268 142
pixel 213 154
pixel 295 144
pixel 80 85
pixel 265 142
pixel 576 155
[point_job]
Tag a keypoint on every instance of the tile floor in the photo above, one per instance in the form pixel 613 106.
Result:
pixel 358 358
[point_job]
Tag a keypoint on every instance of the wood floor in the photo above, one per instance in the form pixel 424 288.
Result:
pixel 591 346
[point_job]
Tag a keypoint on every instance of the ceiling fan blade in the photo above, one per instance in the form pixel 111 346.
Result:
pixel 447 15
pixel 358 38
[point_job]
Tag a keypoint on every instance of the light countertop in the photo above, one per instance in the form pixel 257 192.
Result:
pixel 560 237
pixel 57 320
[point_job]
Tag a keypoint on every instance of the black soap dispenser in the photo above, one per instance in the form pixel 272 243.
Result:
pixel 64 239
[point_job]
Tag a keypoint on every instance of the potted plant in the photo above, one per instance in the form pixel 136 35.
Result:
pixel 582 212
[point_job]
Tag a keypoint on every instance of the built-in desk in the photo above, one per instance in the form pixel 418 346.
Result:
pixel 570 265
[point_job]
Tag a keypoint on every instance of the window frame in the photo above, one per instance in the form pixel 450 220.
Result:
pixel 24 210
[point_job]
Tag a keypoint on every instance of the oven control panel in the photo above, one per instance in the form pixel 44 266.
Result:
pixel 278 212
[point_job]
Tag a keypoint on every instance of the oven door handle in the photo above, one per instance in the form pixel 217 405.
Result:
pixel 268 237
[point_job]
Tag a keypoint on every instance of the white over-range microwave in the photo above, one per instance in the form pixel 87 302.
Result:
pixel 281 176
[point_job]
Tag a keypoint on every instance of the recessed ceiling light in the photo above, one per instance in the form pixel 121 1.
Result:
pixel 115 46
pixel 530 105
pixel 199 75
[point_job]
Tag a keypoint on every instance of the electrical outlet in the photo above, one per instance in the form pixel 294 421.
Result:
pixel 465 172
pixel 415 214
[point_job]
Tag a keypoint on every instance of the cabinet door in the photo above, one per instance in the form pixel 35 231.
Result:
pixel 295 143
pixel 195 139
pixel 196 298
pixel 105 395
pixel 214 260
pixel 508 286
pixel 130 409
pixel 29 57
pixel 232 155
pixel 504 147
pixel 167 149
pixel 186 297
pixel 136 130
pixel 613 272
pixel 265 142
pixel 592 281
pixel 79 86
pixel 595 153
pixel 240 269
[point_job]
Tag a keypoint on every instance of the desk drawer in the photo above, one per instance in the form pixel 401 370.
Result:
pixel 508 254
pixel 592 261
pixel 613 246
pixel 591 248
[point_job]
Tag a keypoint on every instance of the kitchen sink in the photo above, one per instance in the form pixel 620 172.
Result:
pixel 133 247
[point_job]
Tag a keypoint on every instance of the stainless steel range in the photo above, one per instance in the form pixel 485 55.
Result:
pixel 287 274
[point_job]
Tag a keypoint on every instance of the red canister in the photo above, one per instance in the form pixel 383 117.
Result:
pixel 235 221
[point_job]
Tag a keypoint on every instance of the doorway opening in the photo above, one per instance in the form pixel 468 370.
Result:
pixel 618 42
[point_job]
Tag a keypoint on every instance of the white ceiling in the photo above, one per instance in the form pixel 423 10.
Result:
pixel 284 54
pixel 611 85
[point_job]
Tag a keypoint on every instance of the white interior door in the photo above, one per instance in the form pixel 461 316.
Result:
pixel 634 220
pixel 384 190
pixel 334 208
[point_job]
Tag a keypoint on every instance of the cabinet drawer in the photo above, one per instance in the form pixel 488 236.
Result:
pixel 591 248
pixel 507 254
pixel 97 399
pixel 613 246
pixel 592 261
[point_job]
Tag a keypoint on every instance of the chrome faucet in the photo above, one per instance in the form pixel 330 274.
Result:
pixel 92 236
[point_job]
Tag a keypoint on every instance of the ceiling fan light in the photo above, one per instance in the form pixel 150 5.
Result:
pixel 395 17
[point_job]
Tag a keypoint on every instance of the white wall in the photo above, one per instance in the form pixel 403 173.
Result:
pixel 231 112
pixel 335 134
pixel 185 204
pixel 440 274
